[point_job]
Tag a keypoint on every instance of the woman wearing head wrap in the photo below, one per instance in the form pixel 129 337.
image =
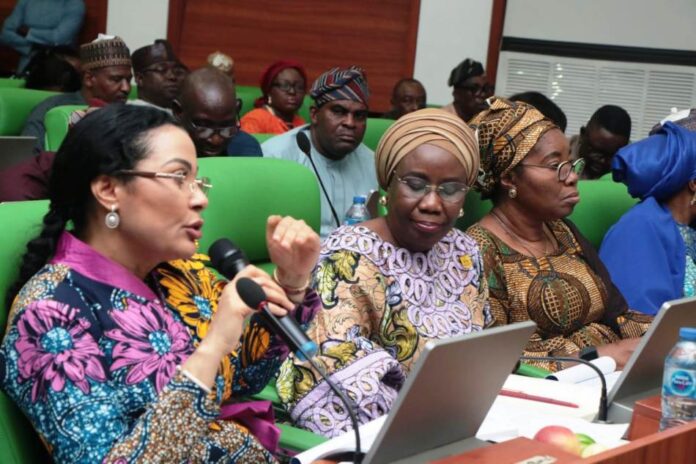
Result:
pixel 651 251
pixel 283 84
pixel 538 265
pixel 390 284
pixel 470 89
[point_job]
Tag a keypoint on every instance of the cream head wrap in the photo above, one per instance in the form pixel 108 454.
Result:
pixel 427 126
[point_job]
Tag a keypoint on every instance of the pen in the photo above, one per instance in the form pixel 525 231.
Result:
pixel 541 399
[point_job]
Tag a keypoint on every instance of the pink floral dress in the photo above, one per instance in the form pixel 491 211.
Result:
pixel 91 356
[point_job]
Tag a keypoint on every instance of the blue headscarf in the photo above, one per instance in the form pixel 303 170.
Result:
pixel 658 166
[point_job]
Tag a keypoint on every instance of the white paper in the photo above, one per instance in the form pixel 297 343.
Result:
pixel 582 373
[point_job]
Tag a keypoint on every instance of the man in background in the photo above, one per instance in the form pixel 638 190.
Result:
pixel 207 108
pixel 106 76
pixel 158 74
pixel 342 163
pixel 408 96
pixel 606 132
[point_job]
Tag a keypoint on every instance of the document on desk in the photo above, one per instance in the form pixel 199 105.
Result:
pixel 508 414
pixel 584 375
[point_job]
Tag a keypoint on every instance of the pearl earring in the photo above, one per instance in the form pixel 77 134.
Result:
pixel 461 213
pixel 112 219
pixel 512 193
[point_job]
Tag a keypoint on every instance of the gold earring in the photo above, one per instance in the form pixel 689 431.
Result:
pixel 383 200
pixel 512 193
pixel 693 199
pixel 270 101
pixel 461 213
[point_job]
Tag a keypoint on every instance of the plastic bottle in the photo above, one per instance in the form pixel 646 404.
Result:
pixel 679 381
pixel 357 212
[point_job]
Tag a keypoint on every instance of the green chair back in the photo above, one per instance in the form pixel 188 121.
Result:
pixel 247 94
pixel 15 106
pixel 602 203
pixel 374 131
pixel 133 95
pixel 246 190
pixel 21 221
pixel 56 122
pixel 11 82
pixel 263 137
pixel 474 209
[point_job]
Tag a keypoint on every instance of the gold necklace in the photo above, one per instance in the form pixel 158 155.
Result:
pixel 519 239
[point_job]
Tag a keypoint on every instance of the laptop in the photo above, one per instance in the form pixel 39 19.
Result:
pixel 642 375
pixel 14 150
pixel 448 394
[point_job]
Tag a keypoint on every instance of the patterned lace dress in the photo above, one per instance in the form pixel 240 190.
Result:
pixel 381 304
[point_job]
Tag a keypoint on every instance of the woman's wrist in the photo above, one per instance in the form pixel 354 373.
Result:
pixel 292 284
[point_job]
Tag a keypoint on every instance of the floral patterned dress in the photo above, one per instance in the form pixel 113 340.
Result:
pixel 381 305
pixel 91 356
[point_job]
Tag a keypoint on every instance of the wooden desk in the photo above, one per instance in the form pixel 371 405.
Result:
pixel 646 418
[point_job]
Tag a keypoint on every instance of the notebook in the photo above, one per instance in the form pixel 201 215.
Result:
pixel 443 402
pixel 14 150
pixel 642 375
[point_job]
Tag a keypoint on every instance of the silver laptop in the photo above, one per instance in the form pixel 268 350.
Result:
pixel 642 375
pixel 447 395
pixel 14 150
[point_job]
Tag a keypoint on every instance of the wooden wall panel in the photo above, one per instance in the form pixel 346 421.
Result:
pixel 95 22
pixel 378 35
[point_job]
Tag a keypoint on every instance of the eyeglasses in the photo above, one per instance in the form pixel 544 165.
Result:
pixel 207 132
pixel 564 169
pixel 477 89
pixel 288 86
pixel 177 70
pixel 417 188
pixel 203 184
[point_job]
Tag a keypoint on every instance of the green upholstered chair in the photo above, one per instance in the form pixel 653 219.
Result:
pixel 374 131
pixel 602 203
pixel 10 82
pixel 56 123
pixel 304 109
pixel 21 221
pixel 246 190
pixel 474 209
pixel 263 137
pixel 133 95
pixel 15 106
pixel 247 94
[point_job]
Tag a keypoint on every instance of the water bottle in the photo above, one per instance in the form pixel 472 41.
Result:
pixel 357 212
pixel 679 381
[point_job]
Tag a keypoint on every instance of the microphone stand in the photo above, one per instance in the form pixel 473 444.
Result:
pixel 358 456
pixel 305 146
pixel 603 404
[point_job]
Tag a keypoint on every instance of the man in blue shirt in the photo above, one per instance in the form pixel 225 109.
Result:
pixel 207 108
pixel 42 23
pixel 342 163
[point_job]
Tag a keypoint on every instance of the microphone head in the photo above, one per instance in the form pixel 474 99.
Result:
pixel 303 143
pixel 227 257
pixel 250 292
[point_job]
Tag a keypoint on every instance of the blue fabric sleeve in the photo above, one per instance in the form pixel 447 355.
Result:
pixel 67 28
pixel 644 254
pixel 244 144
pixel 9 35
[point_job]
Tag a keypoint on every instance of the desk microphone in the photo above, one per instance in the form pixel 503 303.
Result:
pixel 603 403
pixel 228 259
pixel 306 147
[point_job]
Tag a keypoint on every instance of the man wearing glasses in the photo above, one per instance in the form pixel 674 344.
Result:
pixel 470 89
pixel 207 108
pixel 159 75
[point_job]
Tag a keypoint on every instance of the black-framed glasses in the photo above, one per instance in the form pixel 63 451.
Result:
pixel 288 86
pixel 564 169
pixel 224 131
pixel 203 184
pixel 417 188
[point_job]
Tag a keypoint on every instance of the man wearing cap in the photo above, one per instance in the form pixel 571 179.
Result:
pixel 343 165
pixel 106 76
pixel 159 75
pixel 470 89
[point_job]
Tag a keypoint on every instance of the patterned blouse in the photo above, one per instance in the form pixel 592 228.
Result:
pixel 689 236
pixel 381 305
pixel 560 292
pixel 91 356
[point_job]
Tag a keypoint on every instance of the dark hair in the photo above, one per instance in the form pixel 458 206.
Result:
pixel 463 71
pixel 48 71
pixel 614 119
pixel 545 105
pixel 405 80
pixel 104 142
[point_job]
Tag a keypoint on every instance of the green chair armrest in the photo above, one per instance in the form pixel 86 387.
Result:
pixel 295 439
pixel 528 370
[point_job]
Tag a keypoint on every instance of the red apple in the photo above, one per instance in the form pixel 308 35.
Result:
pixel 559 436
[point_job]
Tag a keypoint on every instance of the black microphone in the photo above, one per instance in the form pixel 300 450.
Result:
pixel 306 147
pixel 253 296
pixel 228 259
pixel 603 403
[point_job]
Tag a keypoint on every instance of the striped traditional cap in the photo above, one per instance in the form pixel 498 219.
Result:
pixel 341 84
pixel 507 132
pixel 104 51
pixel 427 126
